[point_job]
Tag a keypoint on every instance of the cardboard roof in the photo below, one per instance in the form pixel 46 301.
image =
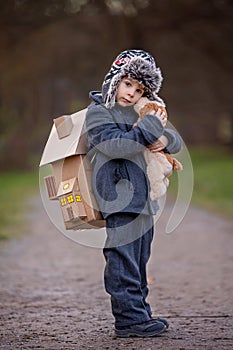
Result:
pixel 57 149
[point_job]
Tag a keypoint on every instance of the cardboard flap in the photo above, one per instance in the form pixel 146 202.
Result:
pixel 64 126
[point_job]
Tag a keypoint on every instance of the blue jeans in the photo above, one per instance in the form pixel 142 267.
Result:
pixel 125 271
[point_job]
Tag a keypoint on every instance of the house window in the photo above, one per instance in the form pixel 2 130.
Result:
pixel 70 199
pixel 78 198
pixel 63 201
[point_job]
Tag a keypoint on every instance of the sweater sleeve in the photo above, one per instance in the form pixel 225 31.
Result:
pixel 174 141
pixel 106 135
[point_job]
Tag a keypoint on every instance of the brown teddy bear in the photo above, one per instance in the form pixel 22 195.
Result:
pixel 160 165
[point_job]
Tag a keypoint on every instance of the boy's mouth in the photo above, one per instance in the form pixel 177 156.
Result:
pixel 125 100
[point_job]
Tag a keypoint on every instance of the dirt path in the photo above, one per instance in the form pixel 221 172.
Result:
pixel 52 294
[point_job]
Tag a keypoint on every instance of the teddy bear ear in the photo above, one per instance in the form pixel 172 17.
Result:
pixel 140 104
pixel 143 100
pixel 137 107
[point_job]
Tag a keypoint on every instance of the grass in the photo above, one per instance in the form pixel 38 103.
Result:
pixel 213 174
pixel 16 189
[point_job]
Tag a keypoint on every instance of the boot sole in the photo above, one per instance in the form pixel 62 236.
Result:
pixel 134 333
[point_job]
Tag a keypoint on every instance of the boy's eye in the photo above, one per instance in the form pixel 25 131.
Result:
pixel 127 83
pixel 139 91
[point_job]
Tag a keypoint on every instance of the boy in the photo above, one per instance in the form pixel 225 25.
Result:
pixel 121 186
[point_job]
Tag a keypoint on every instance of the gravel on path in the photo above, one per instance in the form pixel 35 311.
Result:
pixel 52 295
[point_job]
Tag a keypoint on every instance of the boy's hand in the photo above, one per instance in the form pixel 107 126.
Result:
pixel 161 115
pixel 158 145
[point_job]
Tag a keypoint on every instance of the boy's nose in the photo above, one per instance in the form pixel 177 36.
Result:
pixel 132 92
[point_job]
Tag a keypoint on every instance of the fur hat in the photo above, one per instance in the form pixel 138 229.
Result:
pixel 138 65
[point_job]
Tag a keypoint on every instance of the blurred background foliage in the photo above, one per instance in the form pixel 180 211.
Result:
pixel 53 52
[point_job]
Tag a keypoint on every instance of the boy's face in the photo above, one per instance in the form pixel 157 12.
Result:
pixel 129 91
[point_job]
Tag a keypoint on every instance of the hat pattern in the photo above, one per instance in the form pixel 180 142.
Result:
pixel 138 65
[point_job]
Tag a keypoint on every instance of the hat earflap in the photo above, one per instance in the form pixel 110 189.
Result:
pixel 112 90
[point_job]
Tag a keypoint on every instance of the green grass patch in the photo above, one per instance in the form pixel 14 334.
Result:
pixel 213 174
pixel 16 189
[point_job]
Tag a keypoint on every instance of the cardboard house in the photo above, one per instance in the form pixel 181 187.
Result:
pixel 70 179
